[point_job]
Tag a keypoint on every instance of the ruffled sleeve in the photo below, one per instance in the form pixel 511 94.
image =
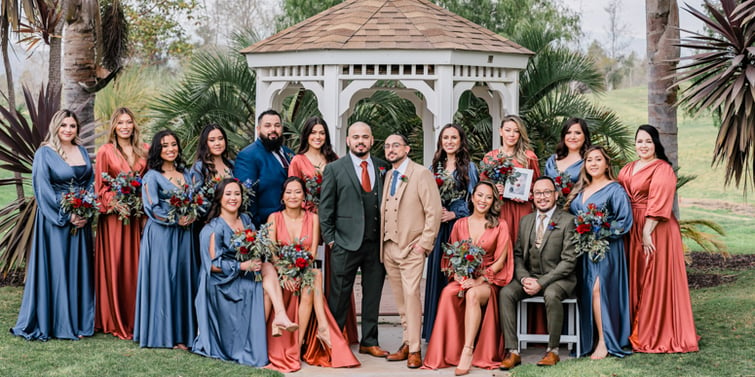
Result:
pixel 661 192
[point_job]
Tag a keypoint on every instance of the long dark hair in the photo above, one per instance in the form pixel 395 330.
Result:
pixel 561 150
pixel 204 155
pixel 660 152
pixel 462 155
pixel 495 209
pixel 154 161
pixel 219 189
pixel 327 146
pixel 585 179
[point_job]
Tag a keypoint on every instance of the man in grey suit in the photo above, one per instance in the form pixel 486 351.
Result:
pixel 544 261
pixel 352 188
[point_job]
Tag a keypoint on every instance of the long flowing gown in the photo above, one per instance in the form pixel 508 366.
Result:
pixel 612 273
pixel 447 341
pixel 436 279
pixel 116 251
pixel 167 281
pixel 660 305
pixel 230 303
pixel 284 351
pixel 58 299
pixel 511 211
pixel 551 169
pixel 302 167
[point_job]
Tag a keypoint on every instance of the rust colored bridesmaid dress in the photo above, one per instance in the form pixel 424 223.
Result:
pixel 116 255
pixel 284 352
pixel 447 340
pixel 659 302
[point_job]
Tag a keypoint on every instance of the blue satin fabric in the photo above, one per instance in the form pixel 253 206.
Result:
pixel 551 170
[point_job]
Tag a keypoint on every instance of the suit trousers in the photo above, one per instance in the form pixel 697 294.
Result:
pixel 405 275
pixel 343 270
pixel 512 293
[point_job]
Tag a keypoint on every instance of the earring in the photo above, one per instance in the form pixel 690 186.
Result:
pixel 282 202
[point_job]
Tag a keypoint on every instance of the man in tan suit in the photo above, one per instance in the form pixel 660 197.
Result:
pixel 411 211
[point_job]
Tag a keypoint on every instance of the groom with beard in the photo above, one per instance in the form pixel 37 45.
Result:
pixel 264 164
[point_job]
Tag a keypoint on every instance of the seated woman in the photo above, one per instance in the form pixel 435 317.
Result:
pixel 323 344
pixel 462 318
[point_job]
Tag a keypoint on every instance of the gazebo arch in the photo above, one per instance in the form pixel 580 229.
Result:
pixel 344 53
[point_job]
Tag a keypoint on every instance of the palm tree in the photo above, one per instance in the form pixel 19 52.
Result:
pixel 721 77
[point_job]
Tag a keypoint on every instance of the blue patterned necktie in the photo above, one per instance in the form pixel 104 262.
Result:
pixel 393 182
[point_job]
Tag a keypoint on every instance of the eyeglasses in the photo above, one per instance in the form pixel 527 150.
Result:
pixel 543 193
pixel 393 146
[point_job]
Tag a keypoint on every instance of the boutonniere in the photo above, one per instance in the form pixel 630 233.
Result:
pixel 289 156
pixel 552 225
pixel 381 170
pixel 404 178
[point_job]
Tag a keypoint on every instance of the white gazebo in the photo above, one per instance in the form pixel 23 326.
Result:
pixel 345 53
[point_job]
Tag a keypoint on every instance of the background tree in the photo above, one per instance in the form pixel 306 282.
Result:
pixel 158 29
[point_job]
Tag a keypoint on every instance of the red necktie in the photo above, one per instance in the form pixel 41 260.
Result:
pixel 365 177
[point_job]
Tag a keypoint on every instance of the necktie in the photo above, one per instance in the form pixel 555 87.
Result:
pixel 365 177
pixel 394 182
pixel 540 230
pixel 283 159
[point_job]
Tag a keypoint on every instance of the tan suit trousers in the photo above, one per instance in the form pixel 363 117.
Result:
pixel 405 275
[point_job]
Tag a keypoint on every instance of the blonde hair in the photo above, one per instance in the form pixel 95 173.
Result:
pixel 586 179
pixel 135 139
pixel 523 144
pixel 56 122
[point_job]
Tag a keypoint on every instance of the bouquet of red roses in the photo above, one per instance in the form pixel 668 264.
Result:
pixel 593 229
pixel 79 202
pixel 564 185
pixel 250 244
pixel 464 259
pixel 499 169
pixel 127 201
pixel 185 201
pixel 295 263
pixel 313 187
pixel 446 185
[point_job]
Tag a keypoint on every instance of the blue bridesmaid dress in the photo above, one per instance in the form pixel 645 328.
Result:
pixel 612 272
pixel 436 279
pixel 167 282
pixel 230 305
pixel 551 170
pixel 58 297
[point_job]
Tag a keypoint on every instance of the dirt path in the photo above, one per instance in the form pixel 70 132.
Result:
pixel 712 204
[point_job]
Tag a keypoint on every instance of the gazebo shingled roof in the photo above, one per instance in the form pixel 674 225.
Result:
pixel 386 24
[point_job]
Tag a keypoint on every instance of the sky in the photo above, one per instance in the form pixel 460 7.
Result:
pixel 595 20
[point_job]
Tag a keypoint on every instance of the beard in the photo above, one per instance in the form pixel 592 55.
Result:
pixel 358 153
pixel 271 145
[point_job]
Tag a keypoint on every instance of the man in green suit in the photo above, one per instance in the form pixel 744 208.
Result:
pixel 544 261
pixel 349 212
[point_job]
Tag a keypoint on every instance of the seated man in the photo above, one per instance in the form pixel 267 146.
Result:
pixel 544 261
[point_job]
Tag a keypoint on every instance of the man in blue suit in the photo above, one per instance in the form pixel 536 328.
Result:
pixel 264 163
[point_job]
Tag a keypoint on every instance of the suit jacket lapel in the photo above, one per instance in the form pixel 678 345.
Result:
pixel 356 181
pixel 408 174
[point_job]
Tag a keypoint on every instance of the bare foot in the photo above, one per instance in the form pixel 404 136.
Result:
pixel 600 351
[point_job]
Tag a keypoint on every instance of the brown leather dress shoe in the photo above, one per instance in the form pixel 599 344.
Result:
pixel 510 361
pixel 548 360
pixel 373 350
pixel 400 355
pixel 415 360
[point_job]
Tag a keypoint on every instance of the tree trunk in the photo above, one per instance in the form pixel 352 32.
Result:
pixel 662 17
pixel 78 70
pixel 53 69
pixel 5 31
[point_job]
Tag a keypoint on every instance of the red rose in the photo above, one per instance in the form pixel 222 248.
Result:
pixel 558 180
pixel 136 183
pixel 318 179
pixel 175 201
pixel 599 214
pixel 76 202
pixel 297 247
pixel 606 225
pixel 186 201
pixel 126 190
pixel 301 262
pixel 250 236
pixel 469 257
pixel 591 206
pixel 439 181
pixel 200 200
pixel 583 228
pixel 243 250
pixel 566 191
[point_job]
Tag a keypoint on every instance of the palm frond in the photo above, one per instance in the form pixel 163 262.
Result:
pixel 710 242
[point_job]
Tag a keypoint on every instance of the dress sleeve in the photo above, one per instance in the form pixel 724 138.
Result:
pixel 102 165
pixel 229 267
pixel 534 165
pixel 551 169
pixel 503 249
pixel 154 208
pixel 48 201
pixel 661 192
pixel 295 168
pixel 621 210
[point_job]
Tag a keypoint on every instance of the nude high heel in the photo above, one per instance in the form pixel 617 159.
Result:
pixel 465 362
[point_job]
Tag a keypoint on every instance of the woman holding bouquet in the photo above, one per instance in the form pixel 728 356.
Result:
pixel 451 162
pixel 659 300
pixel 324 345
pixel 515 145
pixel 567 161
pixel 119 229
pixel 212 163
pixel 58 299
pixel 167 281
pixel 230 303
pixel 461 319
pixel 603 296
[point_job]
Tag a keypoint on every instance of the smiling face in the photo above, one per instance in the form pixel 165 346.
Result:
pixel 232 198
pixel 644 146
pixel 68 130
pixel 124 127
pixel 359 139
pixel 482 199
pixel 450 140
pixel 596 164
pixel 169 151
pixel 216 142
pixel 271 127
pixel 316 138
pixel 293 195
pixel 545 195
pixel 574 138
pixel 510 134
pixel 395 149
